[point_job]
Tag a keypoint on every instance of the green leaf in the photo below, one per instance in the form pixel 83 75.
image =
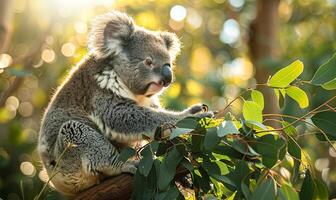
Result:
pixel 211 139
pixel 188 122
pixel 298 95
pixel 287 192
pixel 265 191
pixel 227 127
pixel 256 125
pixel 325 72
pixel 290 130
pixel 243 148
pixel 280 94
pixel 307 188
pixel 202 179
pixel 321 190
pixel 146 162
pixel 179 131
pixel 237 176
pixel 126 153
pixel 285 76
pixel 258 97
pixel 168 168
pixel 252 111
pixel 296 171
pixel 271 149
pixel 326 121
pixel 294 149
pixel 331 85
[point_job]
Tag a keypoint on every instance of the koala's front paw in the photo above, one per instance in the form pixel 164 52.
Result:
pixel 130 166
pixel 198 108
pixel 209 114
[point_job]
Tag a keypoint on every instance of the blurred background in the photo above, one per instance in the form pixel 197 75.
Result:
pixel 228 45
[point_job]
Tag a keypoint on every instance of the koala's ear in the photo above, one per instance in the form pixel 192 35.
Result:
pixel 108 33
pixel 172 43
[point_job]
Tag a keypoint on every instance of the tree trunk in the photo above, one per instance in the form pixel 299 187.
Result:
pixel 5 29
pixel 263 46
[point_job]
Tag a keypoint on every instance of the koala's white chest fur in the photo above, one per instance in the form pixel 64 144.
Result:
pixel 111 81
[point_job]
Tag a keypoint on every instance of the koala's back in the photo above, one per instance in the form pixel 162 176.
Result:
pixel 72 101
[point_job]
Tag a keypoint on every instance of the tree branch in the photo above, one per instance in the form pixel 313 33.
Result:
pixel 117 187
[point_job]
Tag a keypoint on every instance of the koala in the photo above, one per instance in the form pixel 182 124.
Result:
pixel 108 102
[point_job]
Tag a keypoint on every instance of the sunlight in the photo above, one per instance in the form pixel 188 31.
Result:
pixel 80 3
pixel 230 32
pixel 178 13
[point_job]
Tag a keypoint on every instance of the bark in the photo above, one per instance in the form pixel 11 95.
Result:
pixel 5 29
pixel 119 187
pixel 263 45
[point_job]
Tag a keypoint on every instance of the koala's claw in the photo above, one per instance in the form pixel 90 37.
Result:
pixel 130 166
pixel 198 108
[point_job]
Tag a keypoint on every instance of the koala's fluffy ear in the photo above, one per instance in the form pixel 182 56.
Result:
pixel 172 43
pixel 108 33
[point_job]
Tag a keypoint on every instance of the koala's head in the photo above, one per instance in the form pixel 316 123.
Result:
pixel 140 57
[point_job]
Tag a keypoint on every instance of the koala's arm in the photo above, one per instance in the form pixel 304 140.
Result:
pixel 127 121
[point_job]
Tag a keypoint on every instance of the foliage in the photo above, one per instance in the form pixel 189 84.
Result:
pixel 210 70
pixel 231 157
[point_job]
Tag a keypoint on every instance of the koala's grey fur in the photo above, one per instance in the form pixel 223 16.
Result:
pixel 103 105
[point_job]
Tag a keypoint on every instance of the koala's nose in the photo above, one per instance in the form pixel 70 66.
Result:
pixel 166 75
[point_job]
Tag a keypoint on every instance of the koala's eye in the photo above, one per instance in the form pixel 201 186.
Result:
pixel 148 61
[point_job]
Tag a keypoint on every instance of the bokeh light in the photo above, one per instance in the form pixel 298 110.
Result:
pixel 5 60
pixel 48 55
pixel 230 32
pixel 178 13
pixel 27 168
pixel 26 109
pixel 194 18
pixel 237 3
pixel 80 27
pixel 68 49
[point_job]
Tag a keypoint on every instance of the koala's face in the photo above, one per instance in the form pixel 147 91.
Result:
pixel 142 58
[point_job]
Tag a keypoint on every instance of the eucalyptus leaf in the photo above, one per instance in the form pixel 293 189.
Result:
pixel 126 153
pixel 252 111
pixel 285 76
pixel 294 149
pixel 265 191
pixel 179 131
pixel 298 95
pixel 227 127
pixel 168 168
pixel 326 72
pixel 211 139
pixel 307 188
pixel 331 85
pixel 326 121
pixel 287 192
pixel 188 123
pixel 258 97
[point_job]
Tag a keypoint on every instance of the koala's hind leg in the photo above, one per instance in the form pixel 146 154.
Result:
pixel 87 154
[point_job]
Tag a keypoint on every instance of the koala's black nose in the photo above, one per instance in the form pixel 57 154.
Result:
pixel 166 75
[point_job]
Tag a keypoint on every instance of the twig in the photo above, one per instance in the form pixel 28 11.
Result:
pixel 54 172
pixel 302 117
